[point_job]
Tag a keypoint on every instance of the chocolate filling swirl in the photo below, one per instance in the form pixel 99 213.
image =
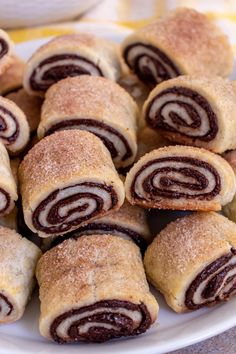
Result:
pixel 6 306
pixel 115 142
pixel 215 283
pixel 183 111
pixel 151 65
pixel 3 48
pixel 100 322
pixel 72 205
pixel 176 177
pixel 58 67
pixel 9 126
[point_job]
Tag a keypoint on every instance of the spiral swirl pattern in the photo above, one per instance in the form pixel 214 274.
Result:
pixel 58 67
pixel 9 126
pixel 150 64
pixel 66 208
pixel 183 111
pixel 100 322
pixel 217 282
pixel 176 177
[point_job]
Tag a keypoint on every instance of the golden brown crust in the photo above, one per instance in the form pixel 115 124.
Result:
pixel 30 105
pixel 113 265
pixel 192 41
pixel 61 155
pixel 83 39
pixel 89 96
pixel 101 53
pixel 183 249
pixel 100 104
pixel 62 160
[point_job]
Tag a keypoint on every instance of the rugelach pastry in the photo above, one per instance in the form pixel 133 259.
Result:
pixel 129 222
pixel 195 111
pixel 66 180
pixel 95 104
pixel 192 262
pixel 181 178
pixel 30 105
pixel 6 51
pixel 230 209
pixel 12 78
pixel 185 42
pixel 70 55
pixel 8 188
pixel 94 289
pixel 14 128
pixel 18 259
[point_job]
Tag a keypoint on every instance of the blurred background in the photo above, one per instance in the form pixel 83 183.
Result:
pixel 27 19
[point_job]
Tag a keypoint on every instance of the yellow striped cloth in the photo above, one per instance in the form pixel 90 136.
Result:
pixel 136 13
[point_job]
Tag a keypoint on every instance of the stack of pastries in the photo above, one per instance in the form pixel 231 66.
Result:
pixel 93 136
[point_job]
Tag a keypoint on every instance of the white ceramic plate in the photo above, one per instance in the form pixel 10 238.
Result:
pixel 172 331
pixel 16 14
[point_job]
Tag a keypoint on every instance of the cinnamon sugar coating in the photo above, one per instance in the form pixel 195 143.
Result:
pixel 96 100
pixel 65 159
pixel 89 96
pixel 184 248
pixel 99 52
pixel 60 156
pixel 189 39
pixel 82 272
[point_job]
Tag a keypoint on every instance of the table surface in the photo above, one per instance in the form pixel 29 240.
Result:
pixel 224 343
